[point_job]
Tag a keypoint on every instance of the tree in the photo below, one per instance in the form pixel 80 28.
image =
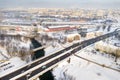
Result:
pixel 104 26
pixel 109 27
pixel 98 27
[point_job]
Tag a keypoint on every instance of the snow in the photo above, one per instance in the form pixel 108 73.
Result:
pixel 14 63
pixel 79 69
pixel 50 49
pixel 3 51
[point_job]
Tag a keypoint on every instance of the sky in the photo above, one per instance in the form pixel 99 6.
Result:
pixel 60 3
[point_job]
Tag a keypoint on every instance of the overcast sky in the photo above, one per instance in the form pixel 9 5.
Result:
pixel 60 3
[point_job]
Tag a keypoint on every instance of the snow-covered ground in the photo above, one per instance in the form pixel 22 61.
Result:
pixel 11 65
pixel 79 69
pixel 9 61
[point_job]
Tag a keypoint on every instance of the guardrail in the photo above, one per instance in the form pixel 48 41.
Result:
pixel 40 66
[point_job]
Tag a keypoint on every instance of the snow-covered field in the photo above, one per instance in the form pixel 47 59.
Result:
pixel 79 69
pixel 11 65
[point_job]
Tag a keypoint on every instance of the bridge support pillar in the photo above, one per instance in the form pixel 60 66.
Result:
pixel 40 53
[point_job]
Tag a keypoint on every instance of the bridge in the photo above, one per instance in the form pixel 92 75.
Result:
pixel 40 66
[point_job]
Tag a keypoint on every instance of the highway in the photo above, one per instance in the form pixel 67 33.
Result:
pixel 40 66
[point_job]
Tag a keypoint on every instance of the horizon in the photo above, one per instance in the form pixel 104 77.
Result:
pixel 94 4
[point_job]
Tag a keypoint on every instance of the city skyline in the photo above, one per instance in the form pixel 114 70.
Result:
pixel 59 4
